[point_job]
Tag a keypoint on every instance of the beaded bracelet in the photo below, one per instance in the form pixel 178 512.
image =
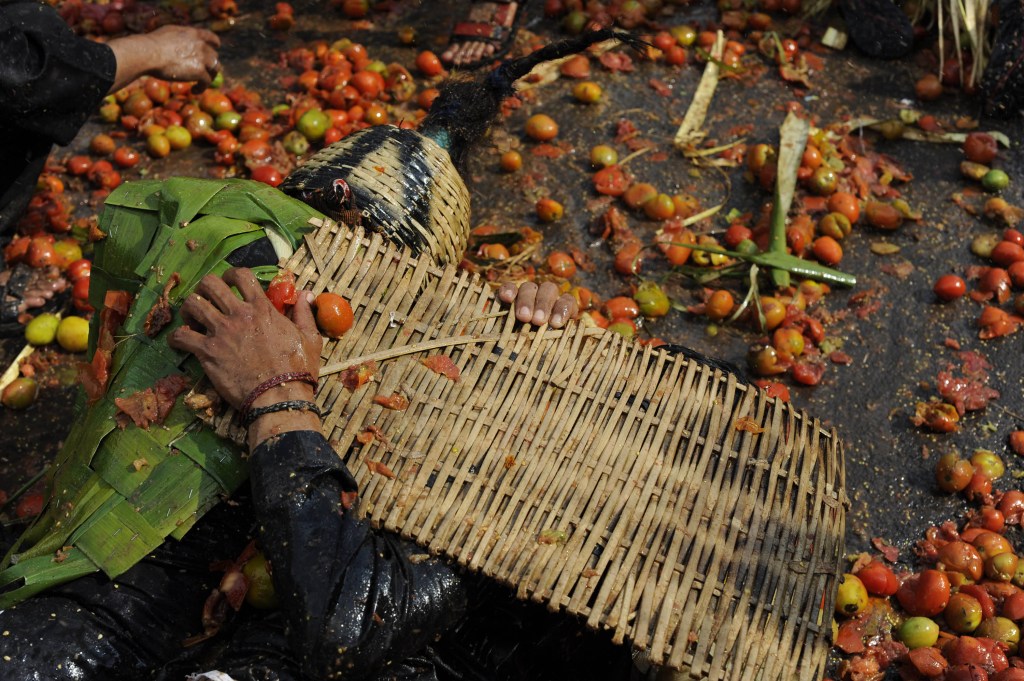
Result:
pixel 288 405
pixel 266 385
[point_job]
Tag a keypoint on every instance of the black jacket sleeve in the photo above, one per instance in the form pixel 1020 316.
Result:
pixel 355 601
pixel 50 79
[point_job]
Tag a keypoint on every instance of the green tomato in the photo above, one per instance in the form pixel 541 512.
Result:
pixel 228 120
pixel 42 329
pixel 261 593
pixel 962 613
pixel 652 300
pixel 919 632
pixel 295 143
pixel 218 80
pixel 685 35
pixel 988 463
pixel 73 334
pixel 313 124
pixel 624 329
pixel 1000 629
pixel 995 181
pixel 603 156
pixel 20 393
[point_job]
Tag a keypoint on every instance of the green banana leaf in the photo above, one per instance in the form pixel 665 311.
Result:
pixel 118 493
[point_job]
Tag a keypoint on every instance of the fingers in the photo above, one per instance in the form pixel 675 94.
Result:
pixel 186 340
pixel 507 292
pixel 564 309
pixel 201 310
pixel 545 300
pixel 245 281
pixel 217 292
pixel 525 299
pixel 302 314
pixel 208 37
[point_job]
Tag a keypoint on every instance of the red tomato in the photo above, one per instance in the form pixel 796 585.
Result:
pixel 622 307
pixel 369 83
pixel 267 174
pixel 29 506
pixel 980 147
pixel 561 264
pixel 949 287
pixel 878 579
pixel 333 314
pixel 78 269
pixel 281 292
pixel 41 252
pixel 126 157
pixel 925 594
pixel 1006 253
pixel 79 165
pixel 735 234
pixel 428 64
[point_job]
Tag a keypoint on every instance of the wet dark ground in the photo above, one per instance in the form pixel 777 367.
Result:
pixel 896 351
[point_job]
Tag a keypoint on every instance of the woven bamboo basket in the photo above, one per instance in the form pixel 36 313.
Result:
pixel 648 494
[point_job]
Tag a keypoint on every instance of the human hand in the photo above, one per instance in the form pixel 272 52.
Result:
pixel 539 304
pixel 242 343
pixel 178 53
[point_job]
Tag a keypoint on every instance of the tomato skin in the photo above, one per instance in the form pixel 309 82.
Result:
pixel 878 579
pixel 949 287
pixel 925 594
pixel 968 650
pixel 267 174
pixel 611 181
pixel 988 607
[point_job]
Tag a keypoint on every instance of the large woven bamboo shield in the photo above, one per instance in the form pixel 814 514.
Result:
pixel 645 493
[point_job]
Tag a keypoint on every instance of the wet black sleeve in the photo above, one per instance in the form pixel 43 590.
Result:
pixel 50 79
pixel 355 601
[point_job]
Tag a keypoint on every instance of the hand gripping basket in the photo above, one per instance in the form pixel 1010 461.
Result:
pixel 643 492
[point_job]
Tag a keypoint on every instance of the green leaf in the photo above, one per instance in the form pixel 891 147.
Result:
pixel 793 140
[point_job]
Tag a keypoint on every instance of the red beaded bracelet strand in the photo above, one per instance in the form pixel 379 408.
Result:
pixel 303 376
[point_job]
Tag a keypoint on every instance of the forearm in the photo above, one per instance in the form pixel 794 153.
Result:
pixel 355 600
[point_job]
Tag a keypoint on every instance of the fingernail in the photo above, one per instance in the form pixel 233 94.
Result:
pixel 540 316
pixel 524 311
pixel 309 297
pixel 556 319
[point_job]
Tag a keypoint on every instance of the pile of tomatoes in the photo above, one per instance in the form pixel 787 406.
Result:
pixel 959 616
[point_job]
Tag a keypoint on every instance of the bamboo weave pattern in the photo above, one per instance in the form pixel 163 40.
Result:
pixel 648 494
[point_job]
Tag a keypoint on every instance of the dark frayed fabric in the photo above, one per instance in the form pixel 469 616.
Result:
pixel 356 602
pixel 50 82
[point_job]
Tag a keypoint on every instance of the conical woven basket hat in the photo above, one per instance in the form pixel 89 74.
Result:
pixel 646 493
pixel 402 182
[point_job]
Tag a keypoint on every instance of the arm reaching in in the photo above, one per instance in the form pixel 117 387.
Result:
pixel 356 600
pixel 170 52
pixel 537 305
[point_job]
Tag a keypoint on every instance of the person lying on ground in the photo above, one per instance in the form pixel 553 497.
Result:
pixel 354 603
